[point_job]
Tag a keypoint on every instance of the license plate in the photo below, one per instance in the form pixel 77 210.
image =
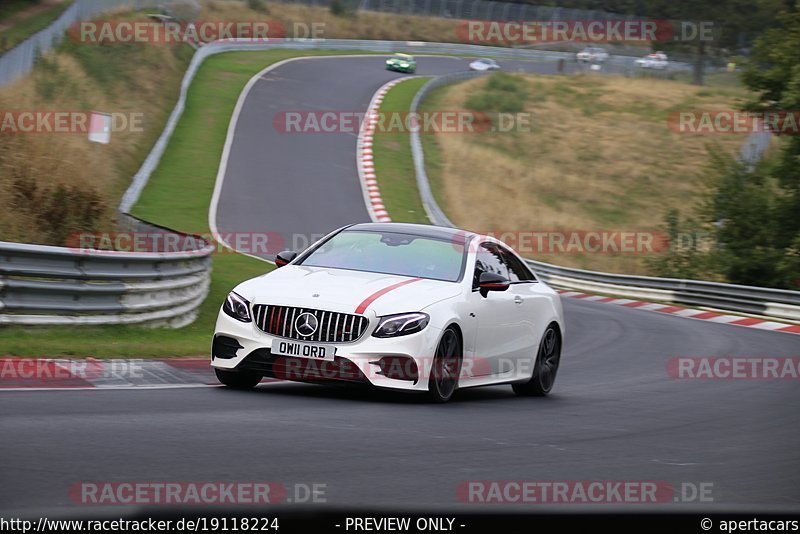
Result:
pixel 303 350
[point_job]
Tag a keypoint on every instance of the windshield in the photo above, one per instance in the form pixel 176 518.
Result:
pixel 391 253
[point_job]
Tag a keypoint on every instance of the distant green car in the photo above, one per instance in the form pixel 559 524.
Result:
pixel 401 63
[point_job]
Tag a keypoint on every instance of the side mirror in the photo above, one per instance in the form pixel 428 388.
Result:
pixel 285 258
pixel 492 282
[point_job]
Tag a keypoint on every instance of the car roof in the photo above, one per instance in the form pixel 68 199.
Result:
pixel 420 230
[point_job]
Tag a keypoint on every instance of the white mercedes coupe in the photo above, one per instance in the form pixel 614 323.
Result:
pixel 400 306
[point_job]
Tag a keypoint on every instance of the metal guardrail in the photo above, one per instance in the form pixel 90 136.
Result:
pixel 779 303
pixel 432 209
pixel 45 285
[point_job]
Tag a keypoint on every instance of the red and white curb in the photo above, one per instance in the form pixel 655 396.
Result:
pixel 364 155
pixel 689 313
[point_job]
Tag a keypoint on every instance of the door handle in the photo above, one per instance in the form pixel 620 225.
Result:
pixel 518 300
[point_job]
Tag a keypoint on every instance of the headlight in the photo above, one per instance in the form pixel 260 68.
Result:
pixel 401 325
pixel 237 307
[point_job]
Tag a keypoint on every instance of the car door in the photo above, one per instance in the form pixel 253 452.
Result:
pixel 529 302
pixel 498 324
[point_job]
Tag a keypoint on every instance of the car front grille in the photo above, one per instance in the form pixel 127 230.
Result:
pixel 331 327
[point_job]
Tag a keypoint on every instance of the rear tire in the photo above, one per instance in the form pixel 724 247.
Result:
pixel 446 367
pixel 545 368
pixel 238 379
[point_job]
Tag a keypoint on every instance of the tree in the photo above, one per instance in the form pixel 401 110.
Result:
pixel 734 25
pixel 774 74
pixel 744 207
pixel 759 211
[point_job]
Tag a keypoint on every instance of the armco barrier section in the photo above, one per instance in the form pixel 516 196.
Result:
pixel 45 285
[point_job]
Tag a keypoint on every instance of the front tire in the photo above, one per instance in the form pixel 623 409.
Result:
pixel 446 367
pixel 545 368
pixel 238 379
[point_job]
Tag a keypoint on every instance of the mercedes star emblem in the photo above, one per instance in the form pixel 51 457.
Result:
pixel 306 324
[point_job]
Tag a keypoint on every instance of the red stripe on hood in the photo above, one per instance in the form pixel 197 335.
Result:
pixel 378 294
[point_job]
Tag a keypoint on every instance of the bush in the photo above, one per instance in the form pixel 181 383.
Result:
pixel 749 241
pixel 258 5
pixel 340 8
pixel 185 10
pixel 690 244
pixel 502 93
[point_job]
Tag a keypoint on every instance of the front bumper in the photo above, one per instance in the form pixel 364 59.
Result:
pixel 398 68
pixel 398 363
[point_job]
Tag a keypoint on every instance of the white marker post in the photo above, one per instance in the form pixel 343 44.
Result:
pixel 100 128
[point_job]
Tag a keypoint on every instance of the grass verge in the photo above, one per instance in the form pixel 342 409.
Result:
pixel 600 156
pixel 394 165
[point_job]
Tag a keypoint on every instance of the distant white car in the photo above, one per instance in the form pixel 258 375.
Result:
pixel 484 64
pixel 592 55
pixel 656 60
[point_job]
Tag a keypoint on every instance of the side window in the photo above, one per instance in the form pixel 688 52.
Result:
pixel 517 271
pixel 489 260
